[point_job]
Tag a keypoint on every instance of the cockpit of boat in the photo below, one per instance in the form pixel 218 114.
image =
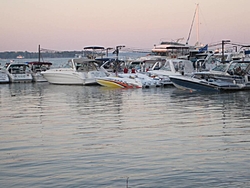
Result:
pixel 18 69
pixel 82 65
pixel 86 67
pixel 239 68
pixel 234 68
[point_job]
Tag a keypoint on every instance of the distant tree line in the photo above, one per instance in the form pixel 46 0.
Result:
pixel 30 55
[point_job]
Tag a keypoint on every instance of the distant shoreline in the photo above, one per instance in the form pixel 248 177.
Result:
pixel 32 55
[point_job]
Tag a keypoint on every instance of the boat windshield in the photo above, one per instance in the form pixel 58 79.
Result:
pixel 136 65
pixel 221 67
pixel 68 65
pixel 179 65
pixel 235 65
pixel 238 68
pixel 166 67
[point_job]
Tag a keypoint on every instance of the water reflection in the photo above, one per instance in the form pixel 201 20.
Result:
pixel 70 136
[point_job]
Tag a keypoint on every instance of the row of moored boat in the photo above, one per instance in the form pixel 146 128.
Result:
pixel 199 71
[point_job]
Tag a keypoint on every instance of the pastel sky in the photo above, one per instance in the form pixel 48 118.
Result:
pixel 137 24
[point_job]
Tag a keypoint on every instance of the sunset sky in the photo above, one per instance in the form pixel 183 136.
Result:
pixel 139 24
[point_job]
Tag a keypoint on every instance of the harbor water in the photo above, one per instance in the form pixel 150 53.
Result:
pixel 92 136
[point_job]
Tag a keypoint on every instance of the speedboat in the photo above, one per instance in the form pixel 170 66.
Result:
pixel 36 68
pixel 127 77
pixel 224 77
pixel 3 76
pixel 145 79
pixel 19 72
pixel 172 67
pixel 120 82
pixel 77 71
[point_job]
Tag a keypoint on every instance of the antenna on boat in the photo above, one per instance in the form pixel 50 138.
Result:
pixel 195 12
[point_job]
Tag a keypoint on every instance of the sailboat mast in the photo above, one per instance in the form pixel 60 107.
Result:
pixel 197 26
pixel 39 55
pixel 190 31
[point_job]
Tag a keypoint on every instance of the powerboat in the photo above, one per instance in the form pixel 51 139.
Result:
pixel 19 72
pixel 129 76
pixel 172 67
pixel 145 79
pixel 224 77
pixel 36 68
pixel 120 82
pixel 77 71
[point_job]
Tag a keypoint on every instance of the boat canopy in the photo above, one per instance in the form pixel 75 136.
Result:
pixel 82 60
pixel 94 48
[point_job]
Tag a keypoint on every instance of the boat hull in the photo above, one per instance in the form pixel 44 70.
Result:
pixel 63 77
pixel 109 83
pixel 38 77
pixel 117 82
pixel 193 84
pixel 71 77
pixel 20 78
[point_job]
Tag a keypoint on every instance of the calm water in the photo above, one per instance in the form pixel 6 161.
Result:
pixel 74 136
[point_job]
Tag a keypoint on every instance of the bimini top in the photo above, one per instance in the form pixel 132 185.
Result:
pixel 94 48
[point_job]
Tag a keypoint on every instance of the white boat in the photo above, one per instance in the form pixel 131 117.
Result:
pixel 225 77
pixel 172 67
pixel 172 49
pixel 3 76
pixel 19 72
pixel 77 71
pixel 145 79
pixel 36 69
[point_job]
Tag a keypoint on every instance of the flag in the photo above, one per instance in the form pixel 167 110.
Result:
pixel 203 49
